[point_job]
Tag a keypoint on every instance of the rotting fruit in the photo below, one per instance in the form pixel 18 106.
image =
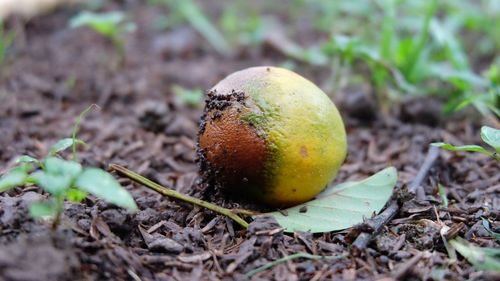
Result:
pixel 271 135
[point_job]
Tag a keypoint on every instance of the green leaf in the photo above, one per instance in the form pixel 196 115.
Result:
pixel 6 40
pixel 110 24
pixel 39 210
pixel 188 97
pixel 486 225
pixel 76 195
pixel 24 167
pixel 58 166
pixel 491 136
pixel 58 175
pixel 444 35
pixel 105 186
pixel 26 159
pixel 340 207
pixel 445 73
pixel 481 258
pixel 195 16
pixel 15 177
pixel 442 193
pixel 452 254
pixel 54 184
pixel 469 148
pixel 62 145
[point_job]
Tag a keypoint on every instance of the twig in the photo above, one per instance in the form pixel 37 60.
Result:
pixel 402 270
pixel 383 218
pixel 291 257
pixel 431 157
pixel 133 275
pixel 377 223
pixel 174 194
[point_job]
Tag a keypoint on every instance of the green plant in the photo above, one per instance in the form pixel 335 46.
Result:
pixel 410 58
pixel 6 39
pixel 395 58
pixel 243 26
pixel 410 48
pixel 112 25
pixel 442 194
pixel 486 225
pixel 482 258
pixel 419 48
pixel 192 98
pixel 64 180
pixel 192 13
pixel 489 135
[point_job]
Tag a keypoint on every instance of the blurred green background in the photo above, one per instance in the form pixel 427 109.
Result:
pixel 445 48
pixel 400 48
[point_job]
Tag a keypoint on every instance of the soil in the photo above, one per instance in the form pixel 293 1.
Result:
pixel 54 72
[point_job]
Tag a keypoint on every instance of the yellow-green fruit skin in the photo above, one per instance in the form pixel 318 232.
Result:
pixel 303 130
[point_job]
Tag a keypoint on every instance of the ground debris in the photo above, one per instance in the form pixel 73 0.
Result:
pixel 60 72
pixel 36 259
pixel 159 243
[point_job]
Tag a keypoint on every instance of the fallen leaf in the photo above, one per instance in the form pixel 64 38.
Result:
pixel 340 207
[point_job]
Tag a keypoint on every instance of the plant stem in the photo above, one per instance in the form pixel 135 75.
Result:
pixel 291 257
pixel 59 202
pixel 76 126
pixel 417 50
pixel 120 48
pixel 244 212
pixel 174 194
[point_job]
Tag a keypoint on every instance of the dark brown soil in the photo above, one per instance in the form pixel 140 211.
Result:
pixel 56 72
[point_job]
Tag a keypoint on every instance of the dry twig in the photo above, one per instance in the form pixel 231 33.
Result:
pixel 383 218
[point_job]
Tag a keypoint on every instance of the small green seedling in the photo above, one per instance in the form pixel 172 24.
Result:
pixel 6 39
pixel 64 180
pixel 192 98
pixel 112 25
pixel 193 14
pixel 444 198
pixel 482 258
pixel 487 226
pixel 489 135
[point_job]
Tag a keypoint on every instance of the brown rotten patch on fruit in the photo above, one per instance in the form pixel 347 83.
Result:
pixel 232 160
pixel 271 135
